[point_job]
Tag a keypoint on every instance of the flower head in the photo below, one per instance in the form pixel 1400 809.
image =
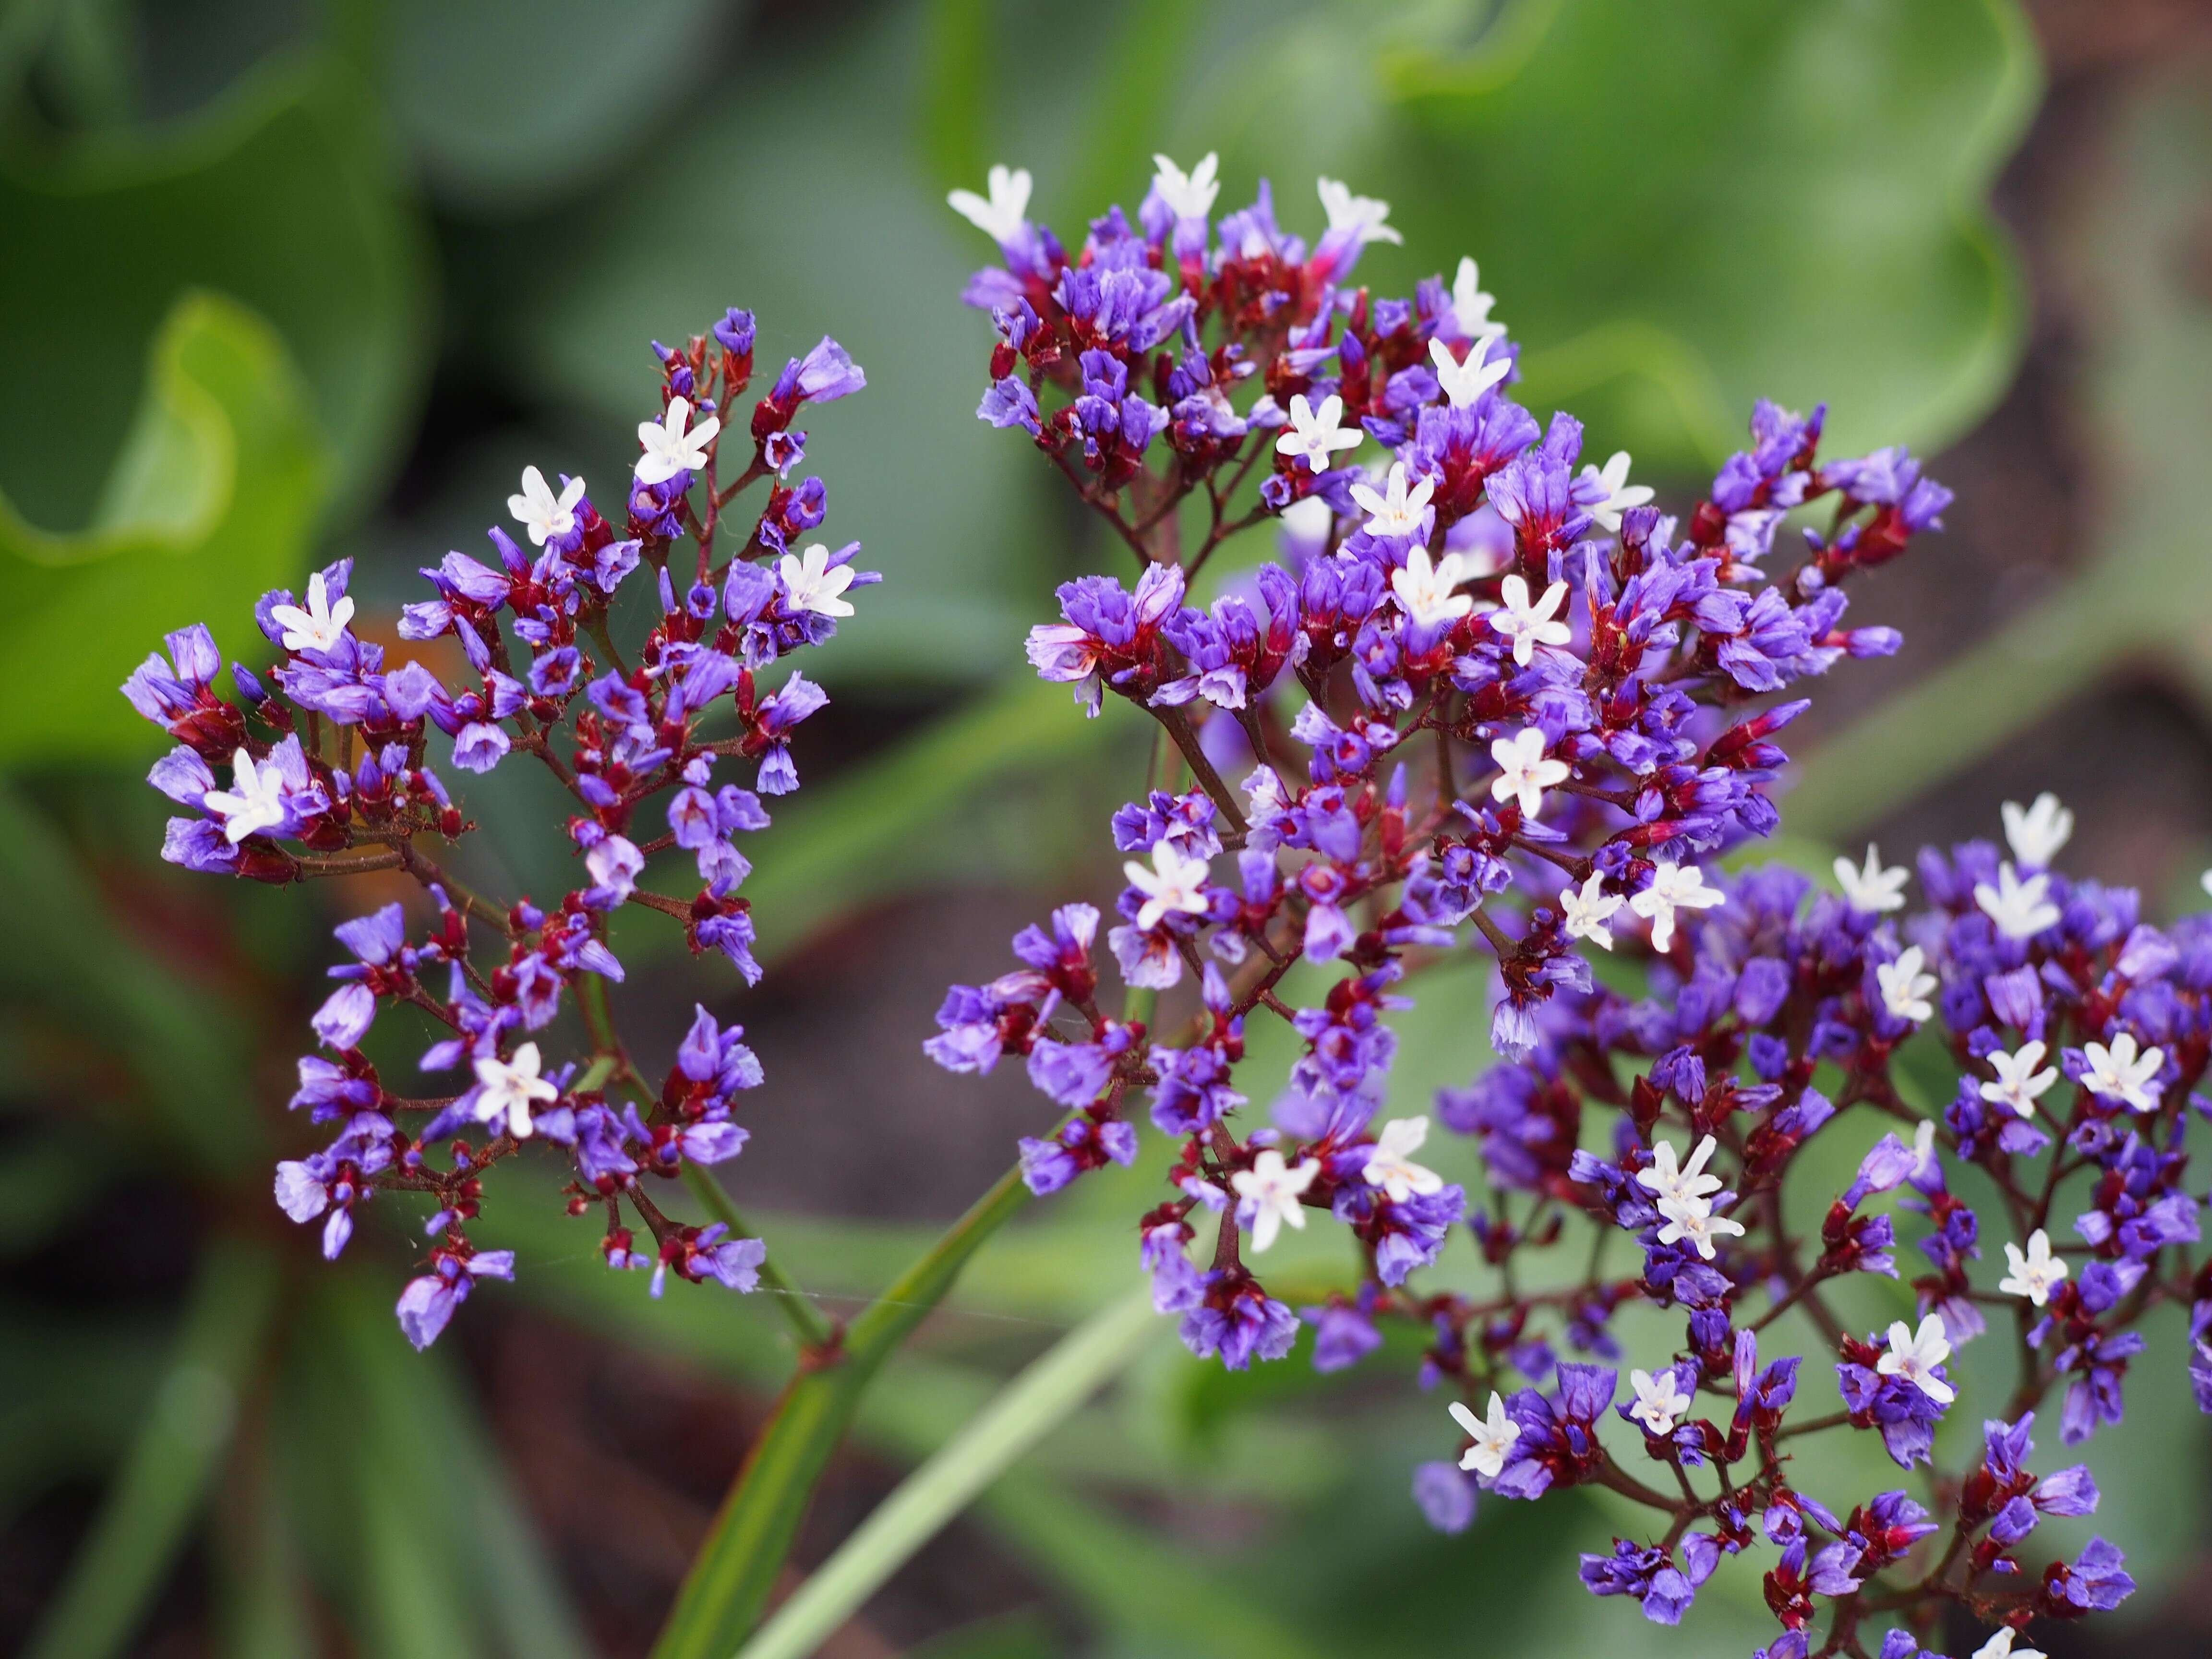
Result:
pixel 1272 1192
pixel 1396 509
pixel 1905 986
pixel 672 444
pixel 1316 434
pixel 2120 1072
pixel 1464 382
pixel 1529 624
pixel 2036 833
pixel 2019 908
pixel 320 625
pixel 1523 773
pixel 255 800
pixel 1660 1402
pixel 1188 195
pixel 2019 1084
pixel 1361 217
pixel 1589 909
pixel 1618 495
pixel 1003 215
pixel 544 515
pixel 509 1089
pixel 1390 1163
pixel 1424 591
pixel 810 582
pixel 1872 888
pixel 1470 305
pixel 1493 1436
pixel 1914 1355
pixel 1673 887
pixel 2035 1274
pixel 1176 884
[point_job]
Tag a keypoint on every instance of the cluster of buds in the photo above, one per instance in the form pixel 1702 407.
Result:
pixel 1493 699
pixel 332 773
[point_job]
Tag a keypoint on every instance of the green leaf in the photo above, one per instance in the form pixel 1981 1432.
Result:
pixel 826 226
pixel 213 500
pixel 469 87
pixel 179 1448
pixel 183 1047
pixel 280 195
pixel 730 1576
pixel 993 1441
pixel 1680 208
pixel 70 1393
pixel 2145 594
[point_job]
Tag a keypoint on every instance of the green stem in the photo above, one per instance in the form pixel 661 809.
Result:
pixel 816 1333
pixel 728 1585
pixel 992 1441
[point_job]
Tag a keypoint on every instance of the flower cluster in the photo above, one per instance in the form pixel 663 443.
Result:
pixel 330 753
pixel 1492 697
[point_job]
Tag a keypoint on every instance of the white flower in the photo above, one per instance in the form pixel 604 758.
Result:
pixel 1620 493
pixel 1673 887
pixel 2117 1072
pixel 809 583
pixel 1361 213
pixel 1660 1401
pixel 2205 881
pixel 508 1087
pixel 1308 518
pixel 1873 889
pixel 1529 625
pixel 1390 1165
pixel 2019 908
pixel 2035 1274
pixel 1686 1185
pixel 1695 1221
pixel 1274 1192
pixel 1999 1647
pixel 255 800
pixel 2019 1084
pixel 1493 1437
pixel 1175 881
pixel 1905 988
pixel 1587 912
pixel 669 449
pixel 2038 832
pixel 1395 510
pixel 1188 195
pixel 1923 1150
pixel 540 511
pixel 1471 305
pixel 320 625
pixel 1464 382
pixel 1424 590
pixel 1315 434
pixel 1914 1356
pixel 1000 218
pixel 1523 773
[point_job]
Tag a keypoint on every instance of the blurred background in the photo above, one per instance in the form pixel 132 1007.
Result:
pixel 282 281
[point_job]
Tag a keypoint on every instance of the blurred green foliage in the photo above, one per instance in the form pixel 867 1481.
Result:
pixel 231 227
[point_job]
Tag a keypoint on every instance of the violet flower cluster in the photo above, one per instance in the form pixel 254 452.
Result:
pixel 1491 698
pixel 332 772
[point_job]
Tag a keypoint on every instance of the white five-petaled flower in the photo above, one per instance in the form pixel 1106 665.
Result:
pixel 1914 1356
pixel 1696 1222
pixel 669 449
pixel 2036 1274
pixel 1362 215
pixel 1471 305
pixel 1188 195
pixel 1620 493
pixel 1684 1184
pixel 2019 1084
pixel 2021 910
pixel 255 800
pixel 2037 832
pixel 1316 434
pixel 1904 986
pixel 810 584
pixel 543 515
pixel 1523 773
pixel 1397 508
pixel 1175 881
pixel 1673 887
pixel 1660 1401
pixel 1275 1191
pixel 1462 383
pixel 1390 1165
pixel 2000 1646
pixel 320 625
pixel 1871 888
pixel 509 1087
pixel 1493 1437
pixel 2120 1072
pixel 1587 911
pixel 1002 216
pixel 1424 590
pixel 1529 624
